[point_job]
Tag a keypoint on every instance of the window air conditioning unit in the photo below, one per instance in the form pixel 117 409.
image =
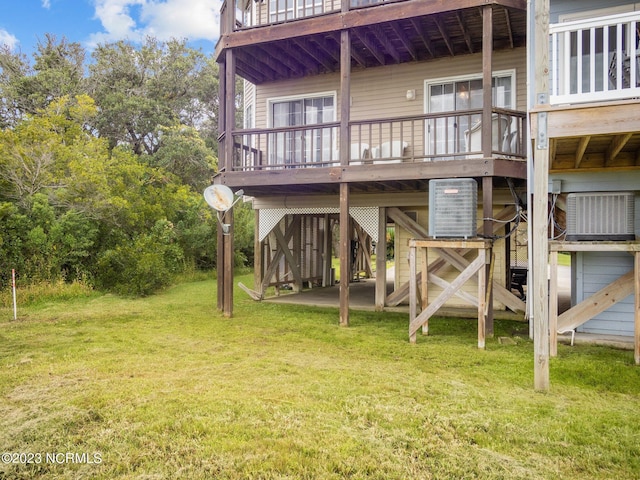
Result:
pixel 600 216
pixel 453 204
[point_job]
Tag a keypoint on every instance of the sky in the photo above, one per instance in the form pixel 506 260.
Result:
pixel 92 22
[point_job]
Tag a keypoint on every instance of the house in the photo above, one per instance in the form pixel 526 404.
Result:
pixel 351 108
pixel 585 128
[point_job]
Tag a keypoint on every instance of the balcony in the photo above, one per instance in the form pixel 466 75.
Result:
pixel 281 39
pixel 595 60
pixel 402 140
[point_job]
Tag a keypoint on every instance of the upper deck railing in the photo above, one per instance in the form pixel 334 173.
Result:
pixel 251 14
pixel 597 59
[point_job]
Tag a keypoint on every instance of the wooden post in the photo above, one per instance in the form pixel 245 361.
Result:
pixel 228 264
pixel 220 267
pixel 482 286
pixel 540 297
pixel 229 108
pixel 413 292
pixel 229 125
pixel 487 231
pixel 487 79
pixel 381 261
pixel 258 261
pixel 345 223
pixel 328 254
pixel 553 303
pixel 424 286
pixel 345 257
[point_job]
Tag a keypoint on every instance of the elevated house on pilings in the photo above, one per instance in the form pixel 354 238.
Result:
pixel 585 121
pixel 351 107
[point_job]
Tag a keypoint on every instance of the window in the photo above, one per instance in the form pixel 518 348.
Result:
pixel 308 144
pixel 446 134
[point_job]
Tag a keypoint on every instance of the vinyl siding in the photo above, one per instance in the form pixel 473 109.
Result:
pixel 381 92
pixel 596 270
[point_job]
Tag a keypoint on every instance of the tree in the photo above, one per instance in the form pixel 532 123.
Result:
pixel 58 71
pixel 185 154
pixel 35 153
pixel 140 91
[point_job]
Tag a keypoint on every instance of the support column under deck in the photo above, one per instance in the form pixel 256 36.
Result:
pixel 381 261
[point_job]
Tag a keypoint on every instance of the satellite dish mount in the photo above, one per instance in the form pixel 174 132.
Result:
pixel 222 199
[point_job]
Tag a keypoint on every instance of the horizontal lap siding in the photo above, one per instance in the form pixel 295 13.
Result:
pixel 600 269
pixel 381 92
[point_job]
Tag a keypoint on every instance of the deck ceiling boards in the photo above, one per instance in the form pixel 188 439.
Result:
pixel 595 152
pixel 450 33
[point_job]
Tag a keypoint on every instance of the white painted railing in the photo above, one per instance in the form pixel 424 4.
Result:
pixel 596 59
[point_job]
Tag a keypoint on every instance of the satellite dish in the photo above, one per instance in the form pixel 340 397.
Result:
pixel 219 197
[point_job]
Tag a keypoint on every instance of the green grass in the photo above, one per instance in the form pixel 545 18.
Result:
pixel 166 387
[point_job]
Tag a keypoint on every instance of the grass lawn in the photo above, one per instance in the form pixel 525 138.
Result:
pixel 165 388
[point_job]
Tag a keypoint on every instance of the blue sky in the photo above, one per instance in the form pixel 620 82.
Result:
pixel 92 22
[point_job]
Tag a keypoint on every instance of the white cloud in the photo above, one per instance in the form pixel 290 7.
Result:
pixel 7 39
pixel 46 4
pixel 163 19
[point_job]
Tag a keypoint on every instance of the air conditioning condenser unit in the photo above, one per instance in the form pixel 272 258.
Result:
pixel 600 216
pixel 453 205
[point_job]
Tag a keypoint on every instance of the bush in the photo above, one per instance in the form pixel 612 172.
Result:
pixel 143 266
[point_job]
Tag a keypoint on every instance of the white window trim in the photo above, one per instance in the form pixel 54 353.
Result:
pixel 250 100
pixel 304 96
pixel 473 76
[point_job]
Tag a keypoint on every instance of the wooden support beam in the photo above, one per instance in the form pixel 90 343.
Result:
pixel 327 249
pixel 487 230
pixel 482 291
pixel 553 304
pixel 487 81
pixel 345 257
pixel 445 34
pixel 582 147
pixel 420 320
pixel 465 32
pixel 275 261
pixel 416 321
pixel 283 246
pixel 509 28
pixel 617 144
pixel 597 303
pixel 229 257
pixel 383 39
pixel 455 257
pixel 258 260
pixel 404 39
pixel 422 33
pixel 381 261
pixel 345 220
pixel 363 36
pixel 539 231
pixel 220 268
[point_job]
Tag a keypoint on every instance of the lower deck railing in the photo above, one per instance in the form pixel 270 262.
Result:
pixel 424 138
